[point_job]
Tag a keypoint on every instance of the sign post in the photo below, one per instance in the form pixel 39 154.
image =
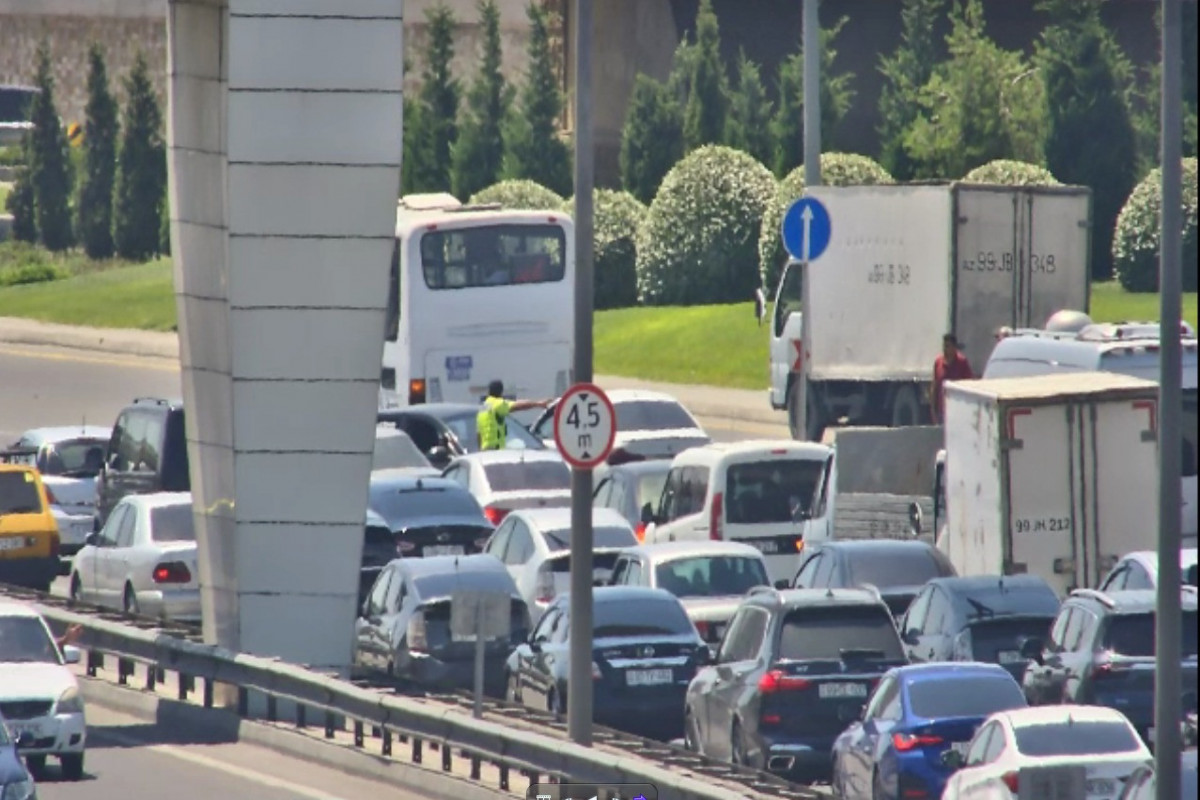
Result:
pixel 480 616
pixel 806 230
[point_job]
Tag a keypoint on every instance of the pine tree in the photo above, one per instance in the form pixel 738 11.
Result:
pixel 683 66
pixel 652 138
pixel 749 126
pixel 479 152
pixel 49 163
pixel 20 202
pixel 1090 136
pixel 707 106
pixel 905 73
pixel 95 206
pixel 533 149
pixel 436 128
pixel 141 169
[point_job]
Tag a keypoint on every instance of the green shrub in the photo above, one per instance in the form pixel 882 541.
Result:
pixel 615 217
pixel 519 194
pixel 837 169
pixel 696 244
pixel 30 273
pixel 1006 172
pixel 1136 240
pixel 22 262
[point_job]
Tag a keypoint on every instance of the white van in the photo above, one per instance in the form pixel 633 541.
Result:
pixel 773 495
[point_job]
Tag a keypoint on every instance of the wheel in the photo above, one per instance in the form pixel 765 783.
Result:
pixel 72 766
pixel 37 766
pixel 555 705
pixel 877 790
pixel 793 410
pixel 512 691
pixel 906 408
pixel 129 603
pixel 691 735
pixel 76 587
pixel 737 747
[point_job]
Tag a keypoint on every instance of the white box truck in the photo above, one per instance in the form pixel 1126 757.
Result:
pixel 906 264
pixel 1055 475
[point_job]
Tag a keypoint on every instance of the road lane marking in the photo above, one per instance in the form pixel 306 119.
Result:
pixel 135 362
pixel 220 766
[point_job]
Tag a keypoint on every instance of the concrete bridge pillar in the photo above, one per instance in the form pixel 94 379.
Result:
pixel 284 130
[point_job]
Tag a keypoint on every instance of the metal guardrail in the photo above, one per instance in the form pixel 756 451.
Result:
pixel 511 738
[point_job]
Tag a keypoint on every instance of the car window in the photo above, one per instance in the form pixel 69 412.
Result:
pixel 782 490
pixel 152 437
pixel 125 533
pixel 827 633
pixel 19 493
pixel 744 643
pixel 620 570
pixel 546 624
pixel 914 618
pixel 108 534
pixel 617 497
pixel 520 545
pixel 996 745
pixel 396 450
pixel 640 617
pixel 1138 578
pixel 689 493
pixel 409 503
pixel 808 571
pixel 73 458
pixel 499 540
pixel 939 614
pixel 603 536
pixel 172 523
pixel 790 298
pixel 671 488
pixel 711 576
pixel 652 415
pixel 602 493
pixel 979 745
pixel 649 488
pixel 964 696
pixel 377 600
pixel 825 570
pixel 128 436
pixel 463 428
pixel 397 590
pixel 889 567
pixel 1058 633
pixel 1133 635
pixel 1076 738
pixel 882 695
pixel 517 476
pixel 26 640
pixel 1117 580
pixel 1081 620
pixel 460 474
pixel 634 575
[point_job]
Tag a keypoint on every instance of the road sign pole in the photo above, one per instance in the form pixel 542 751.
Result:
pixel 1169 616
pixel 579 679
pixel 812 93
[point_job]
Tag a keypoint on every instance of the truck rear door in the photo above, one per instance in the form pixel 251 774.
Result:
pixel 1055 225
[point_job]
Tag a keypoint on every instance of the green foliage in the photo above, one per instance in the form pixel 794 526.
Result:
pixel 1145 95
pixel 533 147
pixel 434 127
pixel 20 201
pixel 49 162
pixel 479 151
pixel 1011 173
pixel 905 72
pixel 1090 135
pixel 837 95
pixel 141 169
pixel 95 206
pixel 749 125
pixel 164 229
pixel 12 156
pixel 616 217
pixel 1138 233
pixel 982 104
pixel 683 67
pixel 520 194
pixel 708 101
pixel 652 137
pixel 30 273
pixel 837 169
pixel 697 243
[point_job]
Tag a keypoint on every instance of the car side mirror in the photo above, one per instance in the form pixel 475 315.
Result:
pixel 914 518
pixel 705 656
pixel 535 645
pixel 1031 648
pixel 952 759
pixel 911 636
pixel 25 740
pixel 71 654
pixel 91 539
pixel 647 514
pixel 781 585
pixel 439 455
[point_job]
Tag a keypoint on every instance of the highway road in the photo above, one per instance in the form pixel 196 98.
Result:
pixel 134 760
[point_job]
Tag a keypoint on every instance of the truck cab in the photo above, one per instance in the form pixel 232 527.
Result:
pixel 786 351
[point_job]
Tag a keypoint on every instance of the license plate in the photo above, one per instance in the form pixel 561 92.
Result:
pixel 765 546
pixel 1009 657
pixel 1103 787
pixel 443 550
pixel 12 543
pixel 830 691
pixel 648 677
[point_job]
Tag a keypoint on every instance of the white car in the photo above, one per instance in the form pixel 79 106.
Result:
pixel 535 547
pixel 1048 743
pixel 69 458
pixel 39 694
pixel 143 560
pixel 1140 571
pixel 503 480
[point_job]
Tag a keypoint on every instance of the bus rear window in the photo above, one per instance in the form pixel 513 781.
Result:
pixel 493 255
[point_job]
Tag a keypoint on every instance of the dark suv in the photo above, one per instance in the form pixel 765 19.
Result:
pixel 793 671
pixel 147 453
pixel 1101 652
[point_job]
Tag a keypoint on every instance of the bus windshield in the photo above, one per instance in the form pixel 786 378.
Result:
pixel 493 255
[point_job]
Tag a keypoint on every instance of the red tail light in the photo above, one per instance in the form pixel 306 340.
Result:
pixel 172 572
pixel 702 629
pixel 771 719
pixel 904 742
pixel 779 681
pixel 404 548
pixel 716 524
pixel 1010 780
pixel 495 515
pixel 640 532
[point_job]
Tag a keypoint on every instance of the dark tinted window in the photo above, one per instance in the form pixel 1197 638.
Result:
pixel 175 476
pixel 1190 459
pixel 641 617
pixel 172 524
pixel 1190 574
pixel 24 639
pixel 18 493
pixel 711 576
pixel 446 583
pixel 1133 634
pixel 493 255
pixel 394 504
pixel 464 429
pixel 975 696
pixel 602 537
pixel 528 475
pixel 892 567
pixel 393 451
pixel 392 319
pixel 824 633
pixel 75 458
pixel 771 491
pixel 651 415
pixel 1076 739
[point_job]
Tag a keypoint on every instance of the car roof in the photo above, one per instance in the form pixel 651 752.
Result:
pixel 402 479
pixel 439 410
pixel 1003 594
pixel 796 598
pixel 511 456
pixel 876 545
pixel 1045 715
pixel 1141 601
pixel 668 551
pixel 436 565
pixel 65 433
pixel 15 608
pixel 912 673
pixel 1149 558
pixel 637 468
pixel 10 467
pixel 713 451
pixel 631 395
pixel 615 594
pixel 559 518
pixel 158 499
pixel 147 401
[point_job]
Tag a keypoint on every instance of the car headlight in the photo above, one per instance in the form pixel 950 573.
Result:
pixel 20 790
pixel 69 703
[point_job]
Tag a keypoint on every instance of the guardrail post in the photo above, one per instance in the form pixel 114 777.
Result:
pixel 416 750
pixel 300 716
pixel 208 692
pixel 183 687
pixel 358 733
pixel 271 708
pixel 475 764
pixel 151 678
pixel 504 777
pixel 445 757
pixel 94 662
pixel 387 742
pixel 124 668
pixel 329 724
pixel 243 701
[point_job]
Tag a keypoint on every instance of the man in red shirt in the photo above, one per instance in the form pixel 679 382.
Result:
pixel 951 365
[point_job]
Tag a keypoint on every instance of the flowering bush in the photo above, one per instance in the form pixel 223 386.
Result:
pixel 1139 225
pixel 1011 173
pixel 519 194
pixel 616 218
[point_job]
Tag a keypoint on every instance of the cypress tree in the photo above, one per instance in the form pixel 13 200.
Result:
pixel 749 128
pixel 20 202
pixel 95 205
pixel 652 137
pixel 49 163
pixel 707 107
pixel 141 169
pixel 435 127
pixel 479 152
pixel 905 72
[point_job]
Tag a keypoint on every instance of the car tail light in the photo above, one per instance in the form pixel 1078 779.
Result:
pixel 716 525
pixel 640 532
pixel 404 547
pixel 415 636
pixel 1010 780
pixel 702 628
pixel 416 391
pixel 904 742
pixel 771 719
pixel 172 572
pixel 545 584
pixel 779 681
pixel 495 515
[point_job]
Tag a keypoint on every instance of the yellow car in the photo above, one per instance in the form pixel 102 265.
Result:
pixel 29 541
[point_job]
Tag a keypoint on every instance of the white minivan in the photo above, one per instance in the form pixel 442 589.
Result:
pixel 773 495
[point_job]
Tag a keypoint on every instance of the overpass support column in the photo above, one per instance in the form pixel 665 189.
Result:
pixel 284 132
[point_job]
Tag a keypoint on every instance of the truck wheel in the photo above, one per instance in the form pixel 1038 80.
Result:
pixel 815 428
pixel 793 410
pixel 906 408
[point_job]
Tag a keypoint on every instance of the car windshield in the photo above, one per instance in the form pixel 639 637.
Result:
pixel 528 476
pixel 73 458
pixel 4 740
pixel 602 537
pixel 891 567
pixel 771 491
pixel 393 451
pixel 1133 635
pixel 964 696
pixel 25 640
pixel 172 523
pixel 657 616
pixel 650 488
pixel 445 584
pixel 827 633
pixel 463 426
pixel 19 493
pixel 1070 738
pixel 397 505
pixel 652 415
pixel 711 576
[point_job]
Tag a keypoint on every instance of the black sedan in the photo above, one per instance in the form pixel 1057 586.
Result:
pixel 897 569
pixel 645 651
pixel 442 431
pixel 427 516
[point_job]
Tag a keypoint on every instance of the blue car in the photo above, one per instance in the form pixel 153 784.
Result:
pixel 915 714
pixel 15 780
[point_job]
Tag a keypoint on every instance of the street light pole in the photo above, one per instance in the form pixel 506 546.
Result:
pixel 812 93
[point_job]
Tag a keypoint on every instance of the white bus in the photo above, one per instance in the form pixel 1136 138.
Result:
pixel 478 294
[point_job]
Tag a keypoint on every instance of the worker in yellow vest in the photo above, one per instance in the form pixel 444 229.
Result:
pixel 492 420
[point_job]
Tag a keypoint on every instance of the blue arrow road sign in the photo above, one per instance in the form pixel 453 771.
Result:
pixel 806 229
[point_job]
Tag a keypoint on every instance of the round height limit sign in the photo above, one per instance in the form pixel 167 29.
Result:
pixel 585 426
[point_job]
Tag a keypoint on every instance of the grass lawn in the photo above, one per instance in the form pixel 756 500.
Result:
pixel 139 296
pixel 5 188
